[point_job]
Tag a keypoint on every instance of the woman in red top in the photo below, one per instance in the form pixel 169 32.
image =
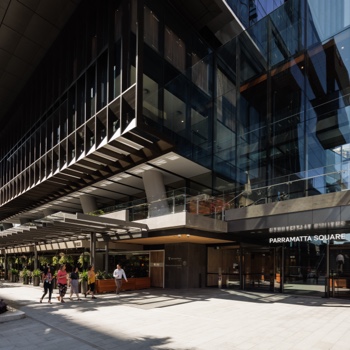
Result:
pixel 62 282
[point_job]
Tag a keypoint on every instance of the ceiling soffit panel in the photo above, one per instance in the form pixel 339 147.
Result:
pixel 27 30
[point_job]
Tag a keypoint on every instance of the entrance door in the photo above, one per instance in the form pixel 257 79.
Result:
pixel 305 268
pixel 259 268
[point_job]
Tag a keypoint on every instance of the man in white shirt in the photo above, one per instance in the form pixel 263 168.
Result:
pixel 340 262
pixel 119 274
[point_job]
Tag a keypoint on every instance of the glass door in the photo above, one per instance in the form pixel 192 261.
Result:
pixel 259 268
pixel 305 268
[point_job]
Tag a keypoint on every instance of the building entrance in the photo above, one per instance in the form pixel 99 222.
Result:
pixel 305 268
pixel 261 268
pixel 314 267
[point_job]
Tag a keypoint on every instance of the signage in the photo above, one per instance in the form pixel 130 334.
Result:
pixel 308 227
pixel 335 236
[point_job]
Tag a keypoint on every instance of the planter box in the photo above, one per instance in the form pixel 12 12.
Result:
pixel 106 286
pixel 142 282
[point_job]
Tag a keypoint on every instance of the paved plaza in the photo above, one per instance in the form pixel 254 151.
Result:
pixel 175 319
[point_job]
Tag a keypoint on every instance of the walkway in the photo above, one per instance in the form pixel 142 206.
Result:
pixel 193 319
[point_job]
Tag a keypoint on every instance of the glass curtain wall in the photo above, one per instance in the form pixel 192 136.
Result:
pixel 282 102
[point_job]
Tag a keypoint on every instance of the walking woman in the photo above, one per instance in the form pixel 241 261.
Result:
pixel 62 282
pixel 74 283
pixel 47 281
pixel 91 281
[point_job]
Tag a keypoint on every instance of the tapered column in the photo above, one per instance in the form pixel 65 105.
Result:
pixel 88 203
pixel 155 192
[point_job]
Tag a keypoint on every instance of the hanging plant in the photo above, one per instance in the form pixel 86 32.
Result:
pixel 84 258
pixel 55 260
pixel 70 259
pixel 30 260
pixel 63 259
pixel 44 261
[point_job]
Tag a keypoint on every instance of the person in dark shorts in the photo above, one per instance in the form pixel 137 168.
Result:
pixel 91 281
pixel 47 281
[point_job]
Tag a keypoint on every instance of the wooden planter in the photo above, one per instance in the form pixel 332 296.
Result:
pixel 36 281
pixel 107 286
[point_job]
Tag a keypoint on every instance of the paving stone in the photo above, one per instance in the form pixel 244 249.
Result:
pixel 195 319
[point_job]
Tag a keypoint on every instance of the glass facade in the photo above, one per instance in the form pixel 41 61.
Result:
pixel 272 102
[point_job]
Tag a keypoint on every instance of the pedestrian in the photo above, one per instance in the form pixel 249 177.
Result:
pixel 47 281
pixel 74 283
pixel 62 282
pixel 340 262
pixel 119 274
pixel 91 281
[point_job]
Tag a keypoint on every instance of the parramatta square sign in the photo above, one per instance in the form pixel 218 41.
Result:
pixel 308 227
pixel 335 236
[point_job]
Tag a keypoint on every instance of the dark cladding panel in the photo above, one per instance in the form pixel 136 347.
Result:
pixel 247 224
pixel 300 218
pixel 326 215
pixel 345 213
pixel 277 220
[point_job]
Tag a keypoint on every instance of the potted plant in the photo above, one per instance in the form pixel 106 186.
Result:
pixel 36 277
pixel 83 281
pixel 24 274
pixel 14 275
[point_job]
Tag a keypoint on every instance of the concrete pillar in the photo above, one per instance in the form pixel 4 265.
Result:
pixel 35 258
pixel 88 203
pixel 92 248
pixel 6 277
pixel 155 193
pixel 106 239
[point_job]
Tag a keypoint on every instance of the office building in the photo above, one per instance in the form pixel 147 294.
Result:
pixel 200 143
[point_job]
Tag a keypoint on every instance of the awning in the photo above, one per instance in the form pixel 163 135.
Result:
pixel 62 227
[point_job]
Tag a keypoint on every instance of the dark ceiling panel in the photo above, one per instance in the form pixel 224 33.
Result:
pixel 27 30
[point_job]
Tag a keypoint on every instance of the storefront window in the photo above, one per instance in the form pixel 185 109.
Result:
pixel 134 264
